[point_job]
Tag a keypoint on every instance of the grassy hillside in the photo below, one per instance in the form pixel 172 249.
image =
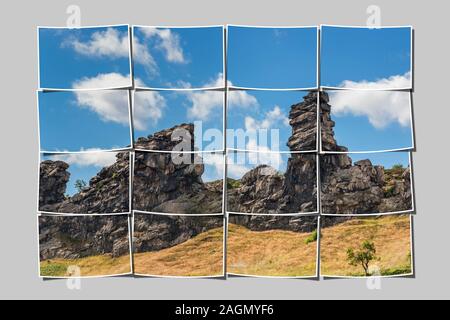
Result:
pixel 199 256
pixel 90 266
pixel 390 234
pixel 268 253
pixel 271 253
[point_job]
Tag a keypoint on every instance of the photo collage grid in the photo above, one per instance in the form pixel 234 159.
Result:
pixel 221 151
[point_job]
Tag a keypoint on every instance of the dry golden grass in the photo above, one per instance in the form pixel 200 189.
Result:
pixel 103 265
pixel 200 256
pixel 267 253
pixel 390 234
pixel 270 253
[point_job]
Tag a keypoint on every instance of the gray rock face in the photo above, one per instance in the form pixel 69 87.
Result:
pixel 263 223
pixel 347 187
pixel 162 185
pixel 53 179
pixel 157 232
pixel 108 191
pixel 171 182
pixel 360 187
pixel 167 140
pixel 263 190
pixel 303 120
pixel 73 237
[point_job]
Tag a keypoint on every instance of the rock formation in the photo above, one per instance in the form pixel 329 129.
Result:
pixel 108 191
pixel 360 187
pixel 264 190
pixel 53 179
pixel 280 222
pixel 172 182
pixel 73 237
pixel 156 232
pixel 163 183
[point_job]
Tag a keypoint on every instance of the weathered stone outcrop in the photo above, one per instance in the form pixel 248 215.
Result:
pixel 303 120
pixel 73 237
pixel 108 191
pixel 164 182
pixel 53 178
pixel 172 182
pixel 169 139
pixel 347 187
pixel 156 232
pixel 360 187
pixel 264 222
pixel 264 190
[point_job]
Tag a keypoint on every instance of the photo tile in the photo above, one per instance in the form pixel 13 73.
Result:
pixel 178 183
pixel 352 247
pixel 178 246
pixel 80 121
pixel 179 120
pixel 366 121
pixel 178 57
pixel 272 246
pixel 283 121
pixel 85 183
pixel 272 183
pixel 366 58
pixel 272 57
pixel 84 246
pixel 84 58
pixel 366 183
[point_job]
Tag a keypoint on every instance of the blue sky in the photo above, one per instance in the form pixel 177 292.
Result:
pixel 372 120
pixel 156 111
pixel 82 166
pixel 362 54
pixel 272 57
pixel 79 121
pixel 69 55
pixel 270 111
pixel 178 57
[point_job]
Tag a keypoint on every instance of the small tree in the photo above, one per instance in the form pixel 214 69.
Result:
pixel 363 256
pixel 80 185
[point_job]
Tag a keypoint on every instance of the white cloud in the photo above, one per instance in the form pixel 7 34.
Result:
pixel 241 99
pixel 273 120
pixel 114 44
pixel 393 82
pixel 109 43
pixel 96 159
pixel 148 107
pixel 382 108
pixel 113 105
pixel 216 161
pixel 204 103
pixel 142 55
pixel 168 42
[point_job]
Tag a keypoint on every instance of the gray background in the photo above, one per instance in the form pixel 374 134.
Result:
pixel 18 247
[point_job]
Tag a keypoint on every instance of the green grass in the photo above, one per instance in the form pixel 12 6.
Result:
pixel 390 234
pixel 312 238
pixel 102 265
pixel 233 184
